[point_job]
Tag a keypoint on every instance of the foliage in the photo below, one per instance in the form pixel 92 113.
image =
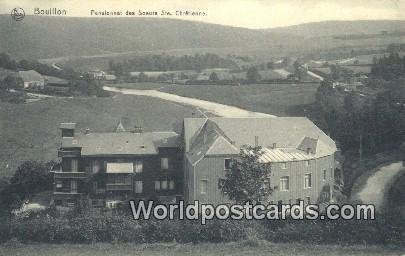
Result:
pixel 372 125
pixel 252 75
pixel 388 68
pixel 166 62
pixel 214 77
pixel 30 177
pixel 248 178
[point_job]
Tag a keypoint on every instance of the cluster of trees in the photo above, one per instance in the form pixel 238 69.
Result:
pixel 364 125
pixel 388 68
pixel 167 62
pixel 31 177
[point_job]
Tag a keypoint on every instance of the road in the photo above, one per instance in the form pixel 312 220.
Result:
pixel 212 107
pixel 377 184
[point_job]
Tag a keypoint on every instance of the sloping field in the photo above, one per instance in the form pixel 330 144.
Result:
pixel 30 131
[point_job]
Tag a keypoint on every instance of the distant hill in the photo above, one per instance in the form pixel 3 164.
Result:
pixel 337 28
pixel 45 37
pixel 50 37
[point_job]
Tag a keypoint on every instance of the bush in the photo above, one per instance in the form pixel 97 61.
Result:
pixel 117 229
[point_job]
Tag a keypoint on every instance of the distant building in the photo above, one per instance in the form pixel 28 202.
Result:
pixel 32 80
pixel 96 74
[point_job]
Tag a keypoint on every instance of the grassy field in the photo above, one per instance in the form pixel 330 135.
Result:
pixel 276 99
pixel 242 248
pixel 30 131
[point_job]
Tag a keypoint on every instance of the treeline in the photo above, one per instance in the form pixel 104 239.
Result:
pixel 168 63
pixel 7 62
pixel 388 67
pixel 371 125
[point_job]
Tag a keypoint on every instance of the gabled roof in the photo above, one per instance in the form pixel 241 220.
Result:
pixel 30 75
pixel 121 143
pixel 233 133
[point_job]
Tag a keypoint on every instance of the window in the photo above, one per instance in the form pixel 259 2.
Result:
pixel 307 180
pixel 307 163
pixel 73 186
pixel 171 184
pixel 74 166
pixel 331 173
pixel 58 202
pixel 308 200
pixel 284 183
pixel 96 166
pixel 164 185
pixel 138 186
pixel 324 174
pixel 204 186
pixel 283 165
pixel 164 163
pixel 59 184
pixel 138 166
pixel 227 164
pixel 157 185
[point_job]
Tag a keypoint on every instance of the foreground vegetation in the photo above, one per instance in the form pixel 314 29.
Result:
pixel 206 249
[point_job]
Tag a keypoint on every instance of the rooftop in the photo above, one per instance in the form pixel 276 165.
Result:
pixel 121 143
pixel 30 75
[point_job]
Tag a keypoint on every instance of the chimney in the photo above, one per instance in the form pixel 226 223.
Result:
pixel 308 151
pixel 274 145
pixel 87 131
pixel 256 141
pixel 68 130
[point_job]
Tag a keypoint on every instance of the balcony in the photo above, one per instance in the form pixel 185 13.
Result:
pixel 70 175
pixel 68 153
pixel 119 187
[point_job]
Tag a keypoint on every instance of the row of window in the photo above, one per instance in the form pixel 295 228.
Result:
pixel 285 182
pixel 138 165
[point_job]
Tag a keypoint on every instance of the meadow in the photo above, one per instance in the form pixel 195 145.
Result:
pixel 275 99
pixel 206 249
pixel 31 131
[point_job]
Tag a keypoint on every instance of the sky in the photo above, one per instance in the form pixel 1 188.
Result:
pixel 241 13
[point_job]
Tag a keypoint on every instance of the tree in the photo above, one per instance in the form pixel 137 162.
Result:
pixel 248 178
pixel 253 75
pixel 32 177
pixel 11 82
pixel 214 77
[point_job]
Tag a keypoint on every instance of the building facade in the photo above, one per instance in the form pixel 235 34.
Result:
pixel 106 169
pixel 301 157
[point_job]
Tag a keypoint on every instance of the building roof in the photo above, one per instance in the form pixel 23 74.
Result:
pixel 228 135
pixel 121 143
pixel 67 126
pixel 30 75
pixel 56 80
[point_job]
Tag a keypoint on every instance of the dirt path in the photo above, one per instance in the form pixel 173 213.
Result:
pixel 212 107
pixel 377 184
